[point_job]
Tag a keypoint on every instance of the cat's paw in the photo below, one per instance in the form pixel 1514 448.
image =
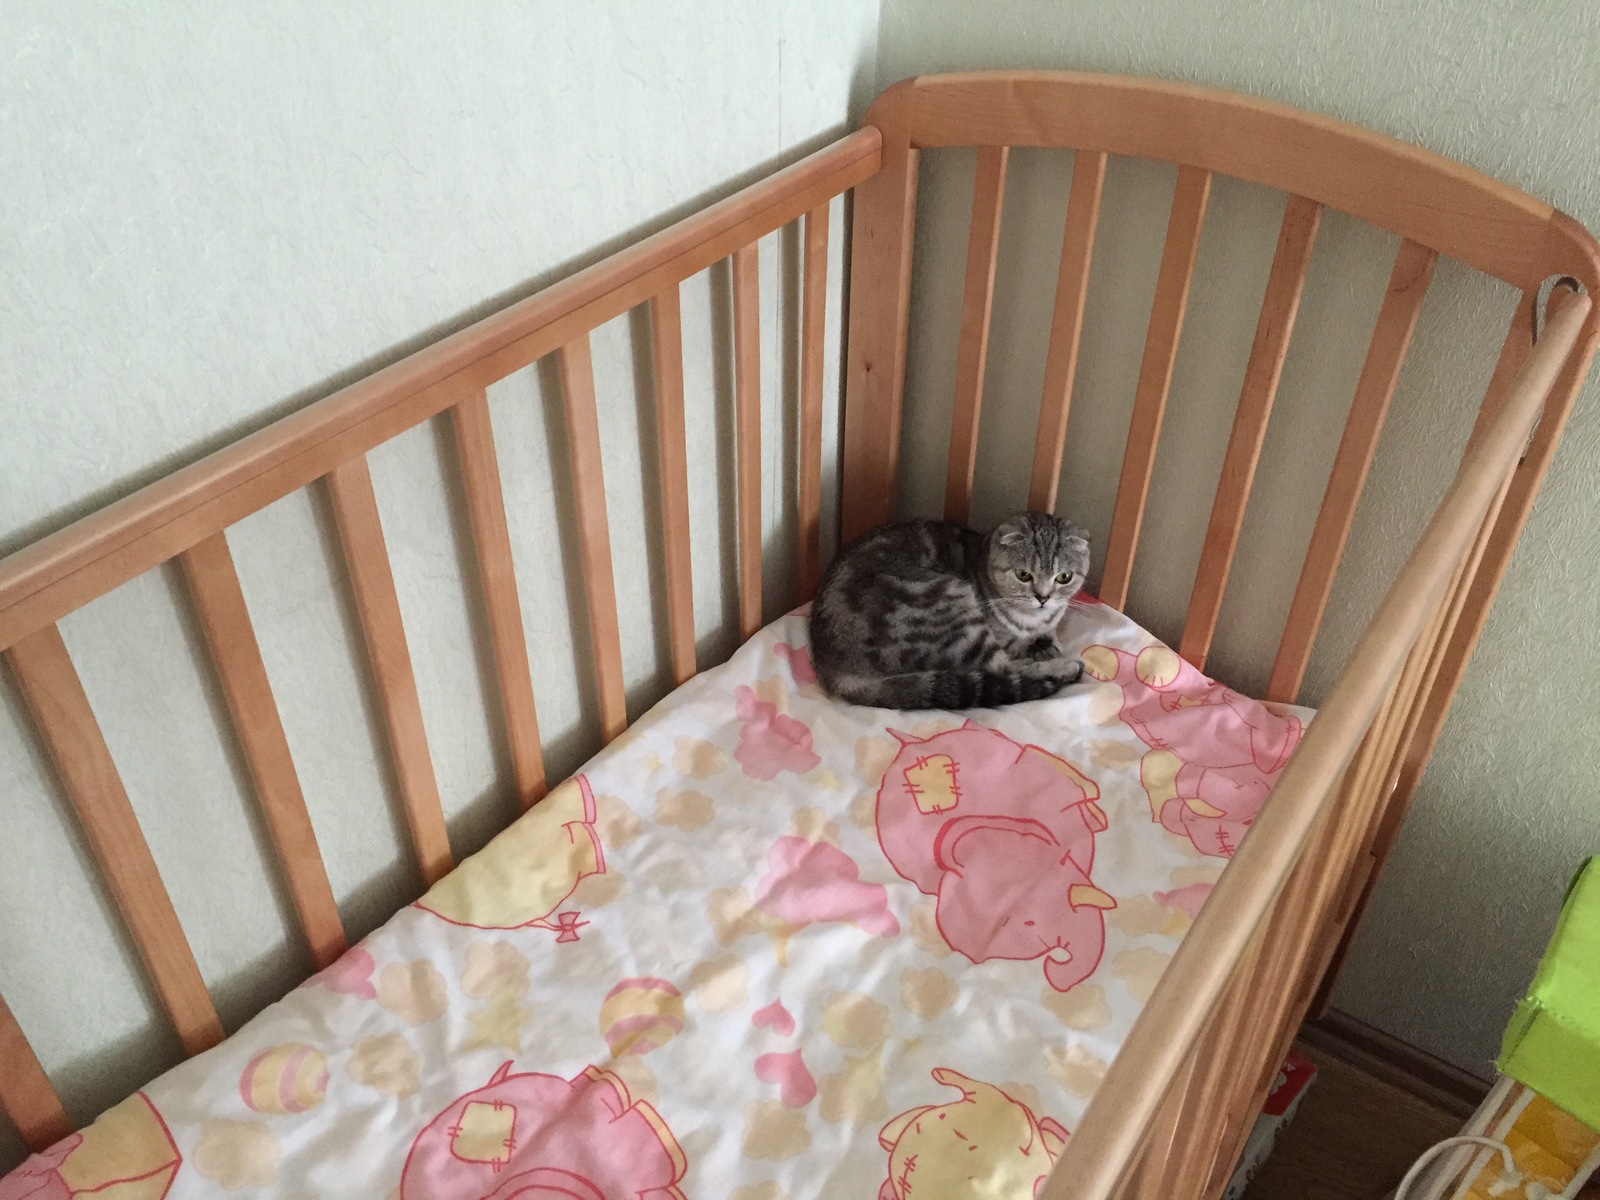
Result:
pixel 1044 649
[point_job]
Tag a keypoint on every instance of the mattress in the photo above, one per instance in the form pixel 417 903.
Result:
pixel 764 945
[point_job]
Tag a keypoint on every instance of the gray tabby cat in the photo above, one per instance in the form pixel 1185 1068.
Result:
pixel 930 614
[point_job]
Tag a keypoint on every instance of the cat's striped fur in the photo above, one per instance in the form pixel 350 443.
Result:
pixel 930 614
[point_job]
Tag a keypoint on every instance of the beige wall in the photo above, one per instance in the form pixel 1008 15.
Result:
pixel 214 213
pixel 1510 806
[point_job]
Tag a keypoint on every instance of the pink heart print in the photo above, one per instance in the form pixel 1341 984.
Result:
pixel 796 1085
pixel 774 1017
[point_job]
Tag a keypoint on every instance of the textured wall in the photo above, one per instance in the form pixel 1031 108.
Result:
pixel 1509 807
pixel 212 214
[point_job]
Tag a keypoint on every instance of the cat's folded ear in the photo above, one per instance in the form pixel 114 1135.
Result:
pixel 1010 531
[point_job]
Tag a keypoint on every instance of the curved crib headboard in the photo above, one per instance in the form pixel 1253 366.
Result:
pixel 1436 206
pixel 185 516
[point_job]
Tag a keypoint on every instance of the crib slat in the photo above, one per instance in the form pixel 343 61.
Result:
pixel 666 346
pixel 497 577
pixel 1280 304
pixel 26 1096
pixel 213 584
pixel 1155 378
pixel 355 511
pixel 1066 326
pixel 55 698
pixel 977 304
pixel 1391 338
pixel 813 336
pixel 594 531
pixel 747 400
pixel 485 500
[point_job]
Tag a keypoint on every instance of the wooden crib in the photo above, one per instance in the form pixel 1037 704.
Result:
pixel 1169 1119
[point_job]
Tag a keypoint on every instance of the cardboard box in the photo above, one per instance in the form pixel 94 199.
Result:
pixel 1294 1077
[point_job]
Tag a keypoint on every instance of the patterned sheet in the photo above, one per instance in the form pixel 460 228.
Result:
pixel 763 946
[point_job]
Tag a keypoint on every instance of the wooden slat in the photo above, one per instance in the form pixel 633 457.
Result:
pixel 55 699
pixel 972 348
pixel 594 531
pixel 43 582
pixel 497 577
pixel 881 234
pixel 1463 213
pixel 1386 351
pixel 666 348
pixel 1066 326
pixel 1155 378
pixel 231 638
pixel 26 1096
pixel 355 510
pixel 747 401
pixel 813 336
pixel 1274 326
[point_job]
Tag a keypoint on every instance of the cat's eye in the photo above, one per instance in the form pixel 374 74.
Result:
pixel 1064 577
pixel 1024 576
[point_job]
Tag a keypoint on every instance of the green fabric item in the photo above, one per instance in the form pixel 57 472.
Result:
pixel 1553 1042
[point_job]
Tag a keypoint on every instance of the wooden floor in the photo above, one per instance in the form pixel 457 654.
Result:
pixel 1355 1135
pixel 1353 1138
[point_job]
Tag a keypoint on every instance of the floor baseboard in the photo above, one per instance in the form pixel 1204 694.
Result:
pixel 1399 1063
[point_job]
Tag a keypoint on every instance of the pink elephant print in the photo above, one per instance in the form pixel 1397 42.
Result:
pixel 1003 836
pixel 1214 754
pixel 540 1135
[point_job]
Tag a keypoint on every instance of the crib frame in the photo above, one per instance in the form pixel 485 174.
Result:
pixel 1169 1119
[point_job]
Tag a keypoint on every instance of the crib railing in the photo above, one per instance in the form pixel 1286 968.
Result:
pixel 1218 1024
pixel 1169 1118
pixel 185 516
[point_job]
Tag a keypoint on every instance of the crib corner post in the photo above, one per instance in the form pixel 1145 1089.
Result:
pixel 884 212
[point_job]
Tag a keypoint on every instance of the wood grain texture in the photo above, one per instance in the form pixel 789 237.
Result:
pixel 1380 372
pixel 366 558
pixel 213 585
pixel 1409 191
pixel 883 221
pixel 1066 327
pixel 594 532
pixel 26 1096
pixel 55 699
pixel 1189 199
pixel 666 352
pixel 972 346
pixel 497 580
pixel 52 577
pixel 1354 1136
pixel 813 339
pixel 1274 327
pixel 747 432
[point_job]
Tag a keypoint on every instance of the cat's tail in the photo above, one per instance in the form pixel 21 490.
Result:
pixel 956 689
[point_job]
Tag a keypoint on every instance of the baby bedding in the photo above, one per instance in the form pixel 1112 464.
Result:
pixel 765 945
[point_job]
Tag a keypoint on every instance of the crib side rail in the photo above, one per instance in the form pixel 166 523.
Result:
pixel 185 517
pixel 1169 1118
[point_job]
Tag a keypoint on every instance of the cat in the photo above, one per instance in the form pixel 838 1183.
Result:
pixel 931 614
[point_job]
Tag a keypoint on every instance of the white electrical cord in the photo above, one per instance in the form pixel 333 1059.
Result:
pixel 1510 1177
